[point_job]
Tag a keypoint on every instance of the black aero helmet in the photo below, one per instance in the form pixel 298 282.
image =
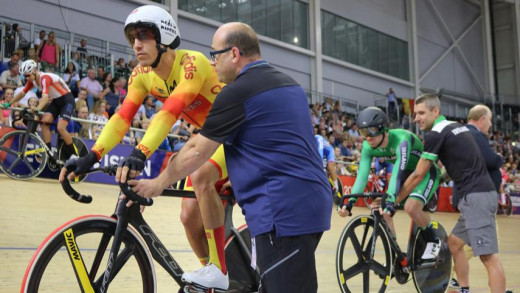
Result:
pixel 372 121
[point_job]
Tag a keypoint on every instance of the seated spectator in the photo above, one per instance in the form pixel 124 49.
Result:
pixel 71 77
pixel 149 106
pixel 31 55
pixel 92 86
pixel 49 53
pixel 6 98
pixel 10 79
pixel 353 131
pixel 112 95
pixel 79 104
pixel 105 81
pixel 32 104
pixel 139 134
pixel 78 128
pixel 139 116
pixel 122 88
pixel 100 74
pixel 180 129
pixel 97 115
pixel 82 94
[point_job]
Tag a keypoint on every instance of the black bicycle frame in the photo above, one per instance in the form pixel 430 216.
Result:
pixel 132 215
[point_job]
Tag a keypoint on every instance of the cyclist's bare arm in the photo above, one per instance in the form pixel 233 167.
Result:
pixel 422 168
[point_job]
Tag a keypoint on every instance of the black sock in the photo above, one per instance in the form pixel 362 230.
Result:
pixel 68 150
pixel 464 290
pixel 429 234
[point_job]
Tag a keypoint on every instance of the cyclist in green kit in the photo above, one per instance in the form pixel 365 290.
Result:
pixel 403 149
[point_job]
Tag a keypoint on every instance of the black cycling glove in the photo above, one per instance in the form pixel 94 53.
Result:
pixel 135 161
pixel 81 165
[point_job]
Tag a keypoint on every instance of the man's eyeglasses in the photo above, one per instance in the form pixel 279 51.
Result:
pixel 370 131
pixel 213 54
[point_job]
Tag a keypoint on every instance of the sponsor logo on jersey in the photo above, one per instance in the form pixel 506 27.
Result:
pixel 459 130
pixel 138 70
pixel 216 89
pixel 189 67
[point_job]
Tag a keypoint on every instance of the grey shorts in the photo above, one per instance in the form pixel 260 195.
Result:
pixel 476 224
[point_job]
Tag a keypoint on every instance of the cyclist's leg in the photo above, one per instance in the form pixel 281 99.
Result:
pixel 45 127
pixel 414 207
pixel 212 210
pixel 192 221
pixel 65 104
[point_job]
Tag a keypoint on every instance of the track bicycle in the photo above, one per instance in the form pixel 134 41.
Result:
pixel 71 258
pixel 367 256
pixel 24 155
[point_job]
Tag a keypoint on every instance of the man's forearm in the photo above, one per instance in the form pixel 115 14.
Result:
pixel 189 159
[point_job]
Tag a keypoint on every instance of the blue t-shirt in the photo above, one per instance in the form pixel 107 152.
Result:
pixel 271 152
pixel 325 150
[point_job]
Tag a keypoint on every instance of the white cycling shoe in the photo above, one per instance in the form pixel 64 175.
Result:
pixel 432 250
pixel 209 276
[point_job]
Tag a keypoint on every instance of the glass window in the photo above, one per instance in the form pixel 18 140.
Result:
pixel 260 16
pixel 274 17
pixel 363 46
pixel 284 20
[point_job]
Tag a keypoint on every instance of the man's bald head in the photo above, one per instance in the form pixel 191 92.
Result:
pixel 242 36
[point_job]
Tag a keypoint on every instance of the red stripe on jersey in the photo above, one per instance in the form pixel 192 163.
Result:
pixel 46 84
pixel 174 106
pixel 128 110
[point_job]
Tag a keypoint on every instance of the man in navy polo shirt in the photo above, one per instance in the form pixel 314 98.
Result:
pixel 262 118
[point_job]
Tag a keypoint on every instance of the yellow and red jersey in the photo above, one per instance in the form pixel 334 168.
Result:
pixel 189 92
pixel 48 83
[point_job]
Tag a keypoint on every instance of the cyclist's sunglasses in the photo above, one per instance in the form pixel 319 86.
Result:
pixel 142 33
pixel 370 131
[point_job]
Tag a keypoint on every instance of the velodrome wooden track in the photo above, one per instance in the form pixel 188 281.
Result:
pixel 30 210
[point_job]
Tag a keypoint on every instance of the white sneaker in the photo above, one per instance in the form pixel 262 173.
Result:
pixel 432 250
pixel 209 276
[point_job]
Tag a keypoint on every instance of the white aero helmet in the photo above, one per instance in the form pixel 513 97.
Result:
pixel 28 67
pixel 159 20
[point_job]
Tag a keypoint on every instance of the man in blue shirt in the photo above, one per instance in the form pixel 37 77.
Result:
pixel 272 162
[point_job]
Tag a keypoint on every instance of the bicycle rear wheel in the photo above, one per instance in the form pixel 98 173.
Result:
pixel 356 269
pixel 431 277
pixel 508 207
pixel 79 250
pixel 22 162
pixel 431 206
pixel 81 150
pixel 242 277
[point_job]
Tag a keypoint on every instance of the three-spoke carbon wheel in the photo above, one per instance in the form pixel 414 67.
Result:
pixel 357 269
pixel 78 253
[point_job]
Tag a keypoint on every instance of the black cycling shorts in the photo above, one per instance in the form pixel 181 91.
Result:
pixel 62 107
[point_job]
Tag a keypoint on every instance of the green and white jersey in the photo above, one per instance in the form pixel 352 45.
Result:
pixel 404 150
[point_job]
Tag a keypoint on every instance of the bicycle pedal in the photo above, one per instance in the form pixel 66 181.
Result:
pixel 194 288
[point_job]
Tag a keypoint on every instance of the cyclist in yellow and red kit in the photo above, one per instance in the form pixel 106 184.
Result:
pixel 187 85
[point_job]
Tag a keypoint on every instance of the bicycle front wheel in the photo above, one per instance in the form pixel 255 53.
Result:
pixel 431 277
pixel 357 269
pixel 242 277
pixel 74 257
pixel 19 160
